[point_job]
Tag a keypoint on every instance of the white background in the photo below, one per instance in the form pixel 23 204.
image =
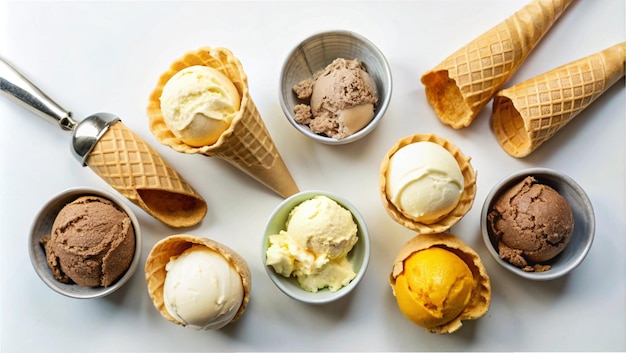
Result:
pixel 101 56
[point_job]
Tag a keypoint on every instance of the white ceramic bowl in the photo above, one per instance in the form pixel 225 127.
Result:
pixel 43 225
pixel 584 222
pixel 359 255
pixel 315 53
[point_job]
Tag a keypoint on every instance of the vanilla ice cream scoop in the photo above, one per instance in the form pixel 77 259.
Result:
pixel 202 289
pixel 198 104
pixel 424 181
pixel 319 235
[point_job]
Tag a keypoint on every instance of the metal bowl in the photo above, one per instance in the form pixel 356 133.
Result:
pixel 318 51
pixel 584 222
pixel 43 225
pixel 359 255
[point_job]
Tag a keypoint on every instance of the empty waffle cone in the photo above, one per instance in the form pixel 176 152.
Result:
pixel 481 295
pixel 461 85
pixel 136 170
pixel 467 197
pixel 246 144
pixel 175 245
pixel 531 112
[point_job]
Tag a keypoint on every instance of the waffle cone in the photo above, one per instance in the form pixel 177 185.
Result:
pixel 462 84
pixel 531 112
pixel 246 144
pixel 174 245
pixel 481 295
pixel 139 173
pixel 467 197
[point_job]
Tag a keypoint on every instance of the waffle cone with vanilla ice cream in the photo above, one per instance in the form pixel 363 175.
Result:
pixel 439 281
pixel 529 113
pixel 197 282
pixel 426 183
pixel 202 105
pixel 464 82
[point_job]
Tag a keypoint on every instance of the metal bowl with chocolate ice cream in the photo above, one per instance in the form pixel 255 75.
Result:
pixel 335 87
pixel 85 243
pixel 538 223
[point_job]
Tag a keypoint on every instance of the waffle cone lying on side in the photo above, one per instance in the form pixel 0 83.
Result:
pixel 139 173
pixel 529 113
pixel 175 245
pixel 463 83
pixel 467 196
pixel 246 143
pixel 444 305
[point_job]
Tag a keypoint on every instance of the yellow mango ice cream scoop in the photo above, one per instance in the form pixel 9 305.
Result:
pixel 438 281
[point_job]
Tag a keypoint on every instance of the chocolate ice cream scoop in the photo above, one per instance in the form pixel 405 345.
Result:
pixel 532 224
pixel 342 99
pixel 92 243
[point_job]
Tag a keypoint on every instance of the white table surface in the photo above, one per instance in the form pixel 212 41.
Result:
pixel 101 56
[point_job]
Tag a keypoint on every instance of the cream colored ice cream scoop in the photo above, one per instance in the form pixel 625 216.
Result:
pixel 198 104
pixel 116 154
pixel 202 289
pixel 424 181
pixel 319 235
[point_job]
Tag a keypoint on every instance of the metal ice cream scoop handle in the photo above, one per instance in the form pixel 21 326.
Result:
pixel 85 134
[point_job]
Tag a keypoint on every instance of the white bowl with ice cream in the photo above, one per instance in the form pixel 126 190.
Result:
pixel 342 87
pixel 316 247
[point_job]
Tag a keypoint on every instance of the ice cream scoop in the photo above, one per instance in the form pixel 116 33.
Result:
pixel 92 243
pixel 532 223
pixel 197 282
pixel 425 184
pixel 115 153
pixel 341 98
pixel 313 248
pixel 435 286
pixel 202 289
pixel 424 181
pixel 439 281
pixel 198 104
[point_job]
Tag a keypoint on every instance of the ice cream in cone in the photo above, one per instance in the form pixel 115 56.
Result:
pixel 436 185
pixel 245 142
pixel 529 113
pixel 135 169
pixel 439 281
pixel 204 280
pixel 463 83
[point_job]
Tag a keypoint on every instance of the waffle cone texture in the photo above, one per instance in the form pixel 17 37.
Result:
pixel 246 144
pixel 481 295
pixel 529 113
pixel 467 196
pixel 463 83
pixel 175 245
pixel 136 170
